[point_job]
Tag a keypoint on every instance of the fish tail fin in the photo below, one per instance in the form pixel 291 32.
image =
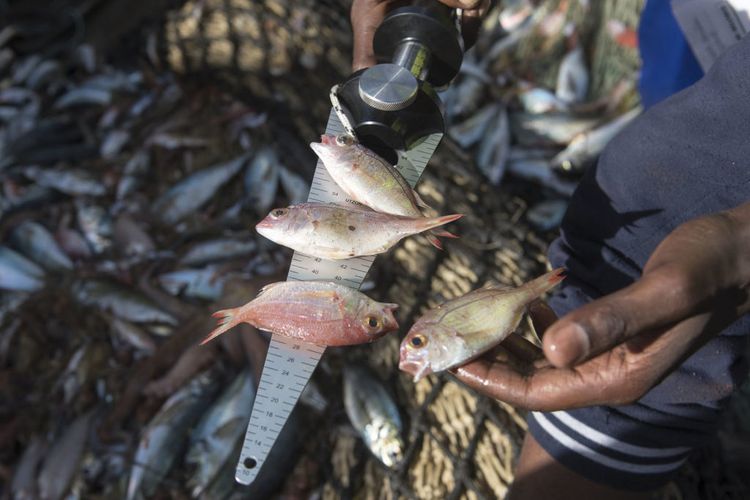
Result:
pixel 545 282
pixel 431 223
pixel 228 319
pixel 444 234
pixel 434 241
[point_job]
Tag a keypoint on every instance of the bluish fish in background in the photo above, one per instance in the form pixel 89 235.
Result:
pixel 194 191
pixel 374 414
pixel 123 302
pixel 262 180
pixel 33 239
pixel 18 273
pixel 164 436
pixel 216 433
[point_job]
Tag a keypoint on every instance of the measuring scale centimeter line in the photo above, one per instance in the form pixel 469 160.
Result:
pixel 290 363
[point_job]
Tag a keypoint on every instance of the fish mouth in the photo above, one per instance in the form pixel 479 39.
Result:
pixel 390 323
pixel 327 139
pixel 264 224
pixel 418 368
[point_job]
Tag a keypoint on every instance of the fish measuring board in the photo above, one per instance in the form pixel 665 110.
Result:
pixel 290 363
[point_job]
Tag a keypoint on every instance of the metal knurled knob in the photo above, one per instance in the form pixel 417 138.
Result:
pixel 388 87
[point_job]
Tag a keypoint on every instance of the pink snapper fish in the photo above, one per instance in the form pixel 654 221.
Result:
pixel 461 329
pixel 332 231
pixel 318 312
pixel 370 180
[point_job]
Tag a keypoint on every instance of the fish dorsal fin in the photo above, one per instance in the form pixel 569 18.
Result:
pixel 496 285
pixel 268 288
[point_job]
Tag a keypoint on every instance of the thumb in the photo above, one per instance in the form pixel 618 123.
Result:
pixel 656 300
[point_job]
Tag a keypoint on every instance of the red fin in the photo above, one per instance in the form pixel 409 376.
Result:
pixel 227 320
pixel 444 234
pixel 546 281
pixel 438 221
pixel 434 241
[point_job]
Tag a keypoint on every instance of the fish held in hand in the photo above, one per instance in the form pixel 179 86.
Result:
pixel 318 312
pixel 335 232
pixel 371 180
pixel 461 329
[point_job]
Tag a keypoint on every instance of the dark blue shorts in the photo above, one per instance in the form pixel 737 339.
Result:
pixel 684 157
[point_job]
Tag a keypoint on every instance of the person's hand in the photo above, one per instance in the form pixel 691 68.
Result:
pixel 615 349
pixel 366 16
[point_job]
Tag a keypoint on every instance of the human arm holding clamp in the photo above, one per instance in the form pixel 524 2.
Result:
pixel 367 15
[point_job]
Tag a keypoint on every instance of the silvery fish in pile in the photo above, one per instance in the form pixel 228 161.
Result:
pixel 161 440
pixel 374 414
pixel 219 431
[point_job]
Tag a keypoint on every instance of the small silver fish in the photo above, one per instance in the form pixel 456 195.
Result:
pixel 34 240
pixel 586 147
pixel 96 225
pixel 572 77
pixel 548 129
pixel 193 192
pixel 19 274
pixel 262 180
pixel 130 238
pixel 133 336
pixel 121 301
pixel 205 283
pixel 218 249
pixel 492 155
pixel 83 96
pixel 63 458
pixel 113 143
pixel 133 173
pixel 540 171
pixel 163 438
pixel 213 439
pixel 335 232
pixel 374 414
pixel 471 130
pixel 68 181
pixel 537 100
pixel 23 486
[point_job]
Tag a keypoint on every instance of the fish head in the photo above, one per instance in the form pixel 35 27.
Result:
pixel 376 319
pixel 281 223
pixel 429 347
pixel 385 441
pixel 335 150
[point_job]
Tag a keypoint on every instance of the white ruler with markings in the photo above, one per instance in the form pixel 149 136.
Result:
pixel 290 363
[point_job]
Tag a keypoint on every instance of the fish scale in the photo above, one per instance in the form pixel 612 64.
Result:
pixel 290 363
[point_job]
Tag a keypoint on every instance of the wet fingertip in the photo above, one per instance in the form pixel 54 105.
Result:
pixel 566 346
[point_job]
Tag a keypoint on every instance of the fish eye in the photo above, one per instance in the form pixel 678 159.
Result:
pixel 418 341
pixel 373 322
pixel 344 140
pixel 279 212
